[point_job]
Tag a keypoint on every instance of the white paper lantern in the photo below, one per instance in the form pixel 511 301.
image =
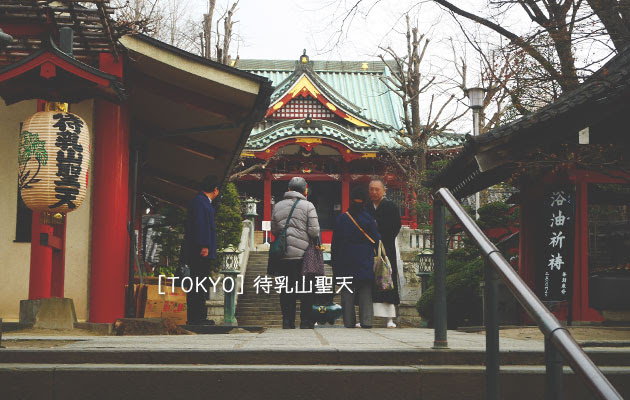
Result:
pixel 54 157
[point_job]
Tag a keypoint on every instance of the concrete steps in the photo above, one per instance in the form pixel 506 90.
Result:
pixel 259 309
pixel 263 309
pixel 141 381
pixel 284 357
pixel 272 374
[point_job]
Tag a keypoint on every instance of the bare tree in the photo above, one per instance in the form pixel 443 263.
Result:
pixel 223 44
pixel 615 16
pixel 166 20
pixel 242 169
pixel 138 16
pixel 562 24
pixel 514 84
pixel 421 121
pixel 562 35
pixel 207 29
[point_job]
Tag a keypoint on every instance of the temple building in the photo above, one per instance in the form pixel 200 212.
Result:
pixel 569 161
pixel 332 123
pixel 154 121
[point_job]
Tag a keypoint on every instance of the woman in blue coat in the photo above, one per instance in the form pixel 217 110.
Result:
pixel 353 246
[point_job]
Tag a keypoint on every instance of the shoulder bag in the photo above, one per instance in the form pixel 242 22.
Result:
pixel 382 267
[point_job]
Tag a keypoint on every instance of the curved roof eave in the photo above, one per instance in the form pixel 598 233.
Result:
pixel 317 129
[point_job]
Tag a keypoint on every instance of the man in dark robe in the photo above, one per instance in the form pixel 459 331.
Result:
pixel 387 217
pixel 200 247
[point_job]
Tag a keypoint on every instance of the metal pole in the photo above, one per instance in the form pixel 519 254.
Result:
pixel 546 321
pixel 423 282
pixel 439 277
pixel 553 369
pixel 492 333
pixel 476 133
pixel 130 309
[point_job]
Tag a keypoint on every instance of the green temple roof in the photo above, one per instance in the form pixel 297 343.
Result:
pixel 356 86
pixel 357 139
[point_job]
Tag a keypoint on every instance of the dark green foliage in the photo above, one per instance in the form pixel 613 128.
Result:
pixel 423 203
pixel 170 236
pixel 229 221
pixel 464 272
pixel 497 215
pixel 423 210
pixel 463 296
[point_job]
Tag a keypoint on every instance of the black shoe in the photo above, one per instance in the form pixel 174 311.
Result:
pixel 366 326
pixel 201 322
pixel 307 325
pixel 286 324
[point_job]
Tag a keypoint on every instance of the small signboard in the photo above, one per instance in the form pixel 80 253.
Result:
pixel 555 267
pixel 266 226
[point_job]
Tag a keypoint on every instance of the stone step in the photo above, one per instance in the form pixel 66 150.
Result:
pixel 230 381
pixel 611 357
pixel 262 307
pixel 258 299
pixel 259 308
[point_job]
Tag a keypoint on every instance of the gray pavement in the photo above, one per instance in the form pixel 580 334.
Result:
pixel 316 339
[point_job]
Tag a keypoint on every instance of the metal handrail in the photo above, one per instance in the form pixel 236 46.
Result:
pixel 555 333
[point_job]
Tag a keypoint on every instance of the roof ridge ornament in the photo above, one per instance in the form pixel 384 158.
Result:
pixel 308 122
pixel 304 62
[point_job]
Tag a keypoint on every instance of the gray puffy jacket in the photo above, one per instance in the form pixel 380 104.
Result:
pixel 304 218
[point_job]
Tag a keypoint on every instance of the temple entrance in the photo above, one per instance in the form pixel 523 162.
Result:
pixel 326 196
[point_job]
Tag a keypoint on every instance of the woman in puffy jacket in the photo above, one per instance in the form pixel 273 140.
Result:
pixel 354 241
pixel 302 227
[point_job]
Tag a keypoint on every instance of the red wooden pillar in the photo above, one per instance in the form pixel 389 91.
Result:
pixel 345 191
pixel 47 265
pixel 40 276
pixel 59 260
pixel 110 208
pixel 267 196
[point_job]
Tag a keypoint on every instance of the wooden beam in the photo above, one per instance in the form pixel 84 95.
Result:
pixel 160 197
pixel 193 146
pixel 184 96
pixel 183 143
pixel 165 177
pixel 51 241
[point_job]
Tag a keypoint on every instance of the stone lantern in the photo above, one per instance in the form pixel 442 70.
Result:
pixel 230 269
pixel 425 262
pixel 251 214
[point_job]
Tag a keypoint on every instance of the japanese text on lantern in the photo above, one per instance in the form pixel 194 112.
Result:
pixel 69 159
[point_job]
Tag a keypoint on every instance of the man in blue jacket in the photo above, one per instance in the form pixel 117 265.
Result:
pixel 200 246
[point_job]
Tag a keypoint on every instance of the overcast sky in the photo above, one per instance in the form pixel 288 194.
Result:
pixel 281 29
